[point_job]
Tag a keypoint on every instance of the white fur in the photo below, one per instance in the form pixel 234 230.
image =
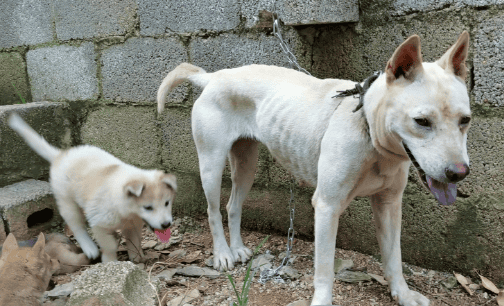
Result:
pixel 91 184
pixel 322 142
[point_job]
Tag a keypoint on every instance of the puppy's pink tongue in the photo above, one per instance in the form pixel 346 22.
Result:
pixel 164 236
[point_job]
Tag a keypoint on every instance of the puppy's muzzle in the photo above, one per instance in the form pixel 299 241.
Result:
pixel 457 172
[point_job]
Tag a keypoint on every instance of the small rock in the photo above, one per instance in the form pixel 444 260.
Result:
pixel 180 253
pixel 342 264
pixel 406 270
pixel 290 272
pixel 149 244
pixel 60 291
pixel 161 246
pixel 209 261
pixel 166 274
pixel 353 277
pixel 300 303
pixel 263 262
pixel 450 282
pixel 141 265
pixel 197 271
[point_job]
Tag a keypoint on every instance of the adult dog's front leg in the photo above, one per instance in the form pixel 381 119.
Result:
pixel 387 212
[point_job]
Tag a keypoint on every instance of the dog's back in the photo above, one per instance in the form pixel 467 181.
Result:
pixel 24 272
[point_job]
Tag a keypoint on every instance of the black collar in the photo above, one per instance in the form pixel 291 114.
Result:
pixel 359 90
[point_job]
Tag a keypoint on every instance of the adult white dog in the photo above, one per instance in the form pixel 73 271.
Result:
pixel 414 111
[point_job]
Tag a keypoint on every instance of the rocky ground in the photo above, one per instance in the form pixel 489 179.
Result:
pixel 358 283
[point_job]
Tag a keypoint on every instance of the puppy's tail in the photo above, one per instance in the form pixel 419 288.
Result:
pixel 176 77
pixel 34 140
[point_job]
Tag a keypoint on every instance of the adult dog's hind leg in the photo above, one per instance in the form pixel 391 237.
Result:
pixel 243 160
pixel 387 212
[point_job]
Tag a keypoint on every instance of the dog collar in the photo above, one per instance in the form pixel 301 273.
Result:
pixel 359 90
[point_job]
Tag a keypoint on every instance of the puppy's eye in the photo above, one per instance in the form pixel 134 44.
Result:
pixel 167 203
pixel 465 120
pixel 423 122
pixel 148 207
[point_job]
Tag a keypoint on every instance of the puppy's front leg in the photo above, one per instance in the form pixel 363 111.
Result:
pixel 108 243
pixel 387 212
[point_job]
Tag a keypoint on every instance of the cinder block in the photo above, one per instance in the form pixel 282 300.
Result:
pixel 13 79
pixel 114 283
pixel 488 63
pixel 403 7
pixel 302 12
pixel 134 70
pixel 80 19
pixel 27 22
pixel 28 208
pixel 51 120
pixel 159 16
pixel 63 73
pixel 244 50
pixel 128 132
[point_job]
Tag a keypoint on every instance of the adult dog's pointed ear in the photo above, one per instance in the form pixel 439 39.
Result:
pixel 38 248
pixel 134 188
pixel 9 245
pixel 170 180
pixel 406 60
pixel 454 59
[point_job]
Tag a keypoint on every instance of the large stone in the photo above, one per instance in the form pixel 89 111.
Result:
pixel 80 19
pixel 299 12
pixel 63 73
pixel 54 121
pixel 3 235
pixel 133 71
pixel 13 79
pixel 159 16
pixel 28 208
pixel 114 283
pixel 403 7
pixel 488 63
pixel 26 22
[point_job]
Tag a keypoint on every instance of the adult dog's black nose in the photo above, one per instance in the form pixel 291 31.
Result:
pixel 456 172
pixel 166 225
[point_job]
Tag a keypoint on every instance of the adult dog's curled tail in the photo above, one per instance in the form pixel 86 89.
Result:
pixel 176 77
pixel 33 139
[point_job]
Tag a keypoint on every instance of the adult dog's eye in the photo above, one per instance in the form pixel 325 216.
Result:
pixel 423 122
pixel 167 203
pixel 465 120
pixel 148 207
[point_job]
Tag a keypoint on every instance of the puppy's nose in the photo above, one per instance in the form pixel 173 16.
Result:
pixel 166 225
pixel 456 172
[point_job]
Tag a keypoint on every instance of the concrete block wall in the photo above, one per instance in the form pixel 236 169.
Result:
pixel 102 62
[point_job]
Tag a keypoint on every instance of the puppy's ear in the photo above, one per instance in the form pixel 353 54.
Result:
pixel 170 180
pixel 40 245
pixel 134 188
pixel 406 60
pixel 454 59
pixel 9 245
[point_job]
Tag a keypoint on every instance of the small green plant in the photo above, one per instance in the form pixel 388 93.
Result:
pixel 247 281
pixel 19 94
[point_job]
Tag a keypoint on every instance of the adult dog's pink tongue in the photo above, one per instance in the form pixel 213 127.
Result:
pixel 164 236
pixel 445 193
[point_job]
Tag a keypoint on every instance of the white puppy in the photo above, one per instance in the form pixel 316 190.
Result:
pixel 90 183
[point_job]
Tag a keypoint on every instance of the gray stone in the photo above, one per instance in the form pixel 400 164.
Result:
pixel 352 277
pixel 78 19
pixel 300 303
pixel 63 73
pixel 49 119
pixel 450 282
pixel 302 12
pixel 3 235
pixel 60 290
pixel 263 262
pixel 159 17
pixel 209 261
pixel 197 272
pixel 290 273
pixel 134 70
pixel 27 22
pixel 342 264
pixel 28 208
pixel 178 254
pixel 149 244
pixel 114 283
pixel 184 299
pixel 166 274
pixel 402 7
pixel 488 63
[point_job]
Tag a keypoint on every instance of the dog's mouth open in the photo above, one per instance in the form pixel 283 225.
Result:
pixel 162 234
pixel 445 193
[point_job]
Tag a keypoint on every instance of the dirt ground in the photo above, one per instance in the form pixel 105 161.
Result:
pixel 195 238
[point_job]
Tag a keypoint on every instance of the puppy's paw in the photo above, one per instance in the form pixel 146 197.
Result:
pixel 241 253
pixel 223 260
pixel 410 298
pixel 90 249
